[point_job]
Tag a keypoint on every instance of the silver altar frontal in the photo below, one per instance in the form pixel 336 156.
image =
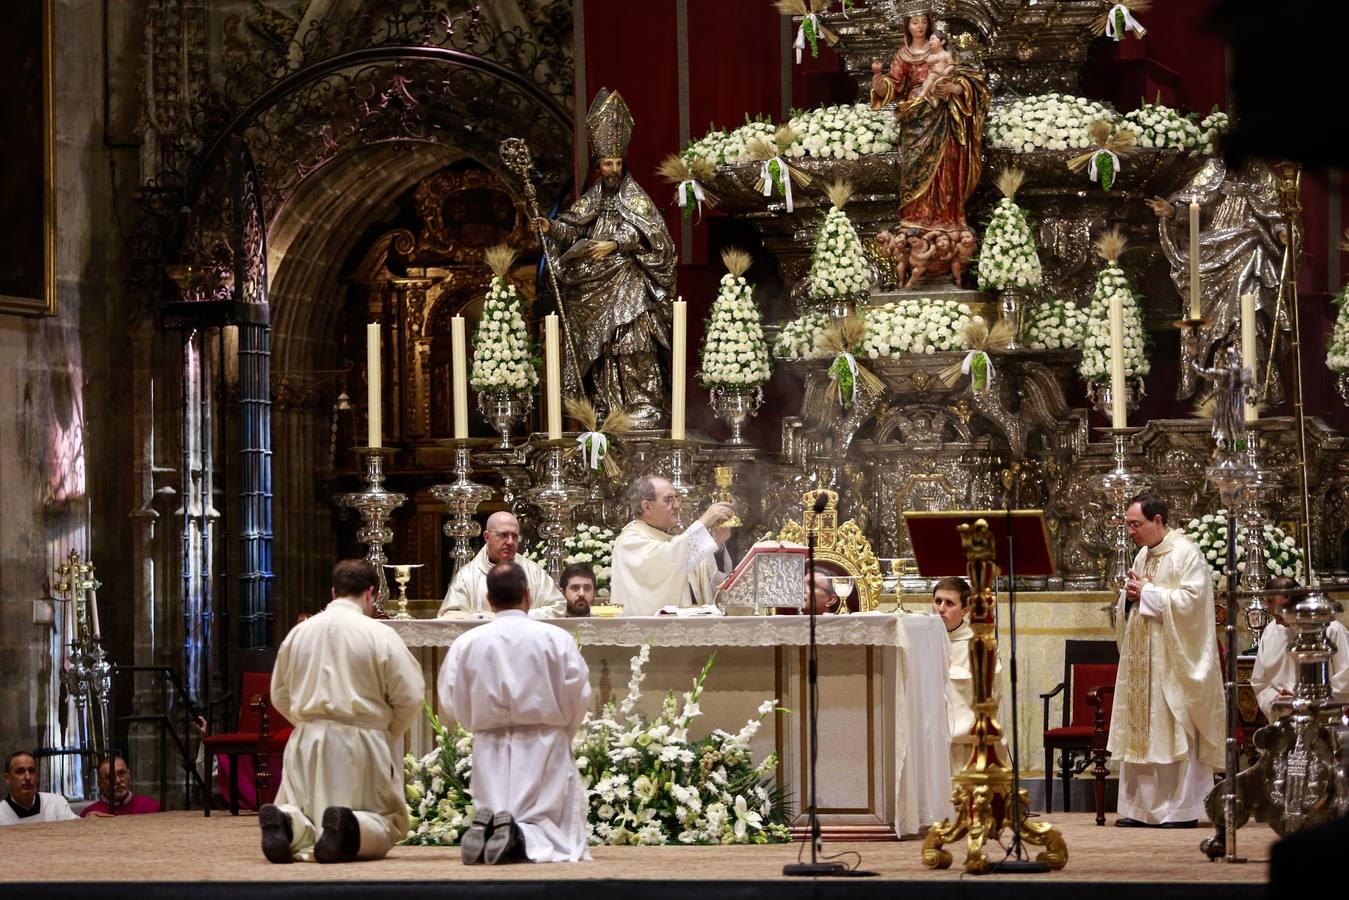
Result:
pixel 884 760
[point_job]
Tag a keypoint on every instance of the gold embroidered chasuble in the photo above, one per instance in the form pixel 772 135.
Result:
pixel 1169 687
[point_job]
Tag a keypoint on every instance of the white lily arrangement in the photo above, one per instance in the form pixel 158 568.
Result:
pixel 1057 324
pixel 503 355
pixel 847 131
pixel 803 338
pixel 917 325
pixel 839 267
pixel 646 782
pixel 1045 122
pixel 1282 556
pixel 734 352
pixel 589 544
pixel 1111 281
pixel 1214 127
pixel 1008 257
pixel 1163 128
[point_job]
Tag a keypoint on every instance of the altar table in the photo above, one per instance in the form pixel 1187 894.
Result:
pixel 883 754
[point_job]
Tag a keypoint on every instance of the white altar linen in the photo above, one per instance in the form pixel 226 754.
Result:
pixel 911 670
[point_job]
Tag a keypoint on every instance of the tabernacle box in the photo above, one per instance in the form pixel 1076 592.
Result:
pixel 771 576
pixel 938 551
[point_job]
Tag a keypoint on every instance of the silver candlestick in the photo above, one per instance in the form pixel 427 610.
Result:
pixel 555 499
pixel 681 456
pixel 462 496
pixel 375 504
pixel 1252 516
pixel 1120 485
pixel 88 677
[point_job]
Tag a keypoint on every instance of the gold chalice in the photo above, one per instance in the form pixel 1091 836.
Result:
pixel 725 478
pixel 402 574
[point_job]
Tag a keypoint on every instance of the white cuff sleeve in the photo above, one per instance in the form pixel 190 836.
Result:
pixel 1150 601
pixel 701 545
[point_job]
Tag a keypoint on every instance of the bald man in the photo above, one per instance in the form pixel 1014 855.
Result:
pixel 501 544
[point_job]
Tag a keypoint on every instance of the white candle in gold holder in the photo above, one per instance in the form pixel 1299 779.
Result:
pixel 678 371
pixel 552 363
pixel 459 361
pixel 1118 409
pixel 375 423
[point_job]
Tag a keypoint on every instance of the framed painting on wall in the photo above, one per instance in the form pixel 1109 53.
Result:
pixel 28 172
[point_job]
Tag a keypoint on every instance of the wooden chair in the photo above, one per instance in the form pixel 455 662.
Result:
pixel 1086 665
pixel 260 731
pixel 1100 699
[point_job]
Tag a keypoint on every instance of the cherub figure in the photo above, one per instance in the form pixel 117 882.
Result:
pixel 964 252
pixel 1231 383
pixel 921 252
pixel 940 64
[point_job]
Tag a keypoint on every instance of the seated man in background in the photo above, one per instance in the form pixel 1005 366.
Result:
pixel 119 787
pixel 951 601
pixel 578 587
pixel 25 802
pixel 821 594
pixel 1275 672
pixel 501 543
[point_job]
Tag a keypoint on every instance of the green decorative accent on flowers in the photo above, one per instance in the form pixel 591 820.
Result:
pixel 979 371
pixel 811 37
pixel 1105 169
pixel 734 352
pixel 847 386
pixel 1337 351
pixel 589 544
pixel 1095 364
pixel 1282 556
pixel 1008 257
pixel 503 354
pixel 838 265
pixel 775 172
pixel 1120 25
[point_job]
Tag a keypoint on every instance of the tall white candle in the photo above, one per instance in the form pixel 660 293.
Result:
pixel 93 612
pixel 678 368
pixel 552 360
pixel 1248 348
pixel 459 361
pixel 1118 410
pixel 373 374
pixel 1196 297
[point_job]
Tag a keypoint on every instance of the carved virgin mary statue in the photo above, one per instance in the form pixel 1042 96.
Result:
pixel 941 126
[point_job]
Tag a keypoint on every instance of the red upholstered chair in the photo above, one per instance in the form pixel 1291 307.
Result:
pixel 260 732
pixel 1086 665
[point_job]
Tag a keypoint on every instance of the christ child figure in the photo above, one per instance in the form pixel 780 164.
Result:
pixel 940 64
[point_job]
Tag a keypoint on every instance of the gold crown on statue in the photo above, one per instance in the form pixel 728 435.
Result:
pixel 906 8
pixel 610 125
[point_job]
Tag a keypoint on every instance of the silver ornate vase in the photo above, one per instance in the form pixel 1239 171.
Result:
pixel 1098 392
pixel 735 404
pixel 502 410
pixel 1011 308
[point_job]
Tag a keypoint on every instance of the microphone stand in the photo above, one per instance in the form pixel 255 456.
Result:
pixel 814 868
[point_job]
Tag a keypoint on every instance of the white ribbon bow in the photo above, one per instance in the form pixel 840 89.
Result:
pixel 1130 24
pixel 593 445
pixel 767 176
pixel 693 187
pixel 967 366
pixel 852 368
pixel 801 33
pixel 1092 171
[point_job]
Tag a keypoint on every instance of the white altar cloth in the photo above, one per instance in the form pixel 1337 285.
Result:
pixel 913 661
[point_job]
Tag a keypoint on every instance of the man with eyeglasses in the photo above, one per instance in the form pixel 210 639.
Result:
pixel 501 544
pixel 118 787
pixel 1167 729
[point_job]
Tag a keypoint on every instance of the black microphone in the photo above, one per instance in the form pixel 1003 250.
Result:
pixel 821 501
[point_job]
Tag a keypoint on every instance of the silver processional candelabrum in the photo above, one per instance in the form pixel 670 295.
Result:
pixel 1252 518
pixel 555 499
pixel 462 496
pixel 375 504
pixel 88 677
pixel 1120 485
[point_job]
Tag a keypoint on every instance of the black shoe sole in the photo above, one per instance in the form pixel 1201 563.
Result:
pixel 341 837
pixel 506 843
pixel 276 834
pixel 1192 823
pixel 474 841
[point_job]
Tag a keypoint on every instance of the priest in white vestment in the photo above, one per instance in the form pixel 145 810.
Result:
pixel 1275 672
pixel 654 568
pixel 26 804
pixel 522 688
pixel 1167 730
pixel 351 688
pixel 501 543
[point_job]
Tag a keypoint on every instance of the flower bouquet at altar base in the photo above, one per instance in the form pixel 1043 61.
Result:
pixel 589 544
pixel 1110 281
pixel 1282 556
pixel 734 354
pixel 914 325
pixel 846 131
pixel 503 355
pixel 1045 122
pixel 1008 257
pixel 801 338
pixel 839 268
pixel 1057 324
pixel 646 782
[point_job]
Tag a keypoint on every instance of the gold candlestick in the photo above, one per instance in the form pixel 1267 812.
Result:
pixel 725 478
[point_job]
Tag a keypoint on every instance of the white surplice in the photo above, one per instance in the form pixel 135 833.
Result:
pixel 50 808
pixel 351 688
pixel 1167 729
pixel 468 591
pixel 1275 671
pixel 653 568
pixel 960 694
pixel 522 688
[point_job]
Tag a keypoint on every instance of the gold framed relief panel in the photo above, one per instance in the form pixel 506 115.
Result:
pixel 28 155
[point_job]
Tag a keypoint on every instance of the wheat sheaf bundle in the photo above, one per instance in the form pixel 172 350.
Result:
pixel 583 412
pixel 1009 181
pixel 500 258
pixel 736 261
pixel 762 149
pixel 812 10
pixel 678 172
pixel 979 339
pixel 1110 246
pixel 840 339
pixel 1102 162
pixel 1102 23
pixel 839 192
